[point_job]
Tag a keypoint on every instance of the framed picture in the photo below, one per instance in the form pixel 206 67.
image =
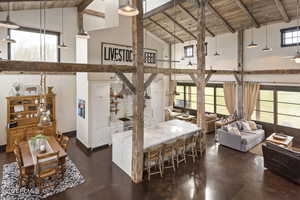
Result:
pixel 81 108
pixel 31 90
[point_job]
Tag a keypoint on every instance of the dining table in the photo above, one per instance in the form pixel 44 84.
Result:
pixel 28 156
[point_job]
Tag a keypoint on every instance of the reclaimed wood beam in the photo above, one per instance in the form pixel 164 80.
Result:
pixel 125 80
pixel 282 10
pixel 5 1
pixel 201 70
pixel 208 77
pixel 93 13
pixel 194 18
pixel 166 30
pixel 219 16
pixel 237 78
pixel 195 80
pixel 181 26
pixel 243 7
pixel 83 5
pixel 162 8
pixel 149 80
pixel 138 98
pixel 240 77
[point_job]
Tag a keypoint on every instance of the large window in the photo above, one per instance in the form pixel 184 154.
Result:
pixel 186 98
pixel 189 51
pixel 27 46
pixel 290 37
pixel 279 105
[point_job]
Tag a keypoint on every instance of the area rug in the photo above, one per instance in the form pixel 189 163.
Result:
pixel 10 189
pixel 257 150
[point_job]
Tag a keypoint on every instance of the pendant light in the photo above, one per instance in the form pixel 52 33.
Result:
pixel 62 45
pixel 7 23
pixel 43 112
pixel 252 43
pixel 128 10
pixel 297 57
pixel 216 53
pixel 267 48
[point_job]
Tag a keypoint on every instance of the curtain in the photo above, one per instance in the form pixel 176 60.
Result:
pixel 230 96
pixel 251 91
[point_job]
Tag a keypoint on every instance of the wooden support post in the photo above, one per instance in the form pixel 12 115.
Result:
pixel 138 99
pixel 240 90
pixel 201 68
pixel 149 80
pixel 208 78
pixel 125 80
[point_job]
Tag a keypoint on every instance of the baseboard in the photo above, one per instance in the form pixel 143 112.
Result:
pixel 2 148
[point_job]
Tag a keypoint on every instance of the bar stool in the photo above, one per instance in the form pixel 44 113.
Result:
pixel 190 149
pixel 169 155
pixel 180 151
pixel 199 143
pixel 154 159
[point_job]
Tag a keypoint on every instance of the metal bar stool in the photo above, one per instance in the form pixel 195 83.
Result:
pixel 180 151
pixel 169 155
pixel 154 160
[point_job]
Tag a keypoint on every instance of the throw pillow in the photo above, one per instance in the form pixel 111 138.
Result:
pixel 236 131
pixel 252 125
pixel 246 126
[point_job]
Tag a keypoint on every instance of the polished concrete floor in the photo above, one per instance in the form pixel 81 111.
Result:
pixel 222 174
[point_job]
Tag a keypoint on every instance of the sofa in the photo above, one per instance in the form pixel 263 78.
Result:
pixel 243 142
pixel 282 161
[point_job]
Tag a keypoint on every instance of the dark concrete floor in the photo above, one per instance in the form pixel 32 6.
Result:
pixel 222 174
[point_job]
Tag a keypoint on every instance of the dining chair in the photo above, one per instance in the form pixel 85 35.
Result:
pixel 47 171
pixel 169 155
pixel 154 160
pixel 190 149
pixel 180 151
pixel 23 178
pixel 64 142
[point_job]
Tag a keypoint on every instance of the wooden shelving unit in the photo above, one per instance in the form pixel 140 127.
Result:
pixel 114 102
pixel 22 118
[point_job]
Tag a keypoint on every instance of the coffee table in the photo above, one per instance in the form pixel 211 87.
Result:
pixel 288 142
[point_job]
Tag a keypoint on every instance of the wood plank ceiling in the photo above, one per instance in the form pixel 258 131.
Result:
pixel 35 4
pixel 222 16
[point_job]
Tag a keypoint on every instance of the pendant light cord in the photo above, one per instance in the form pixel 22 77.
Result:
pixel 62 25
pixel 8 10
pixel 41 48
pixel 298 26
pixel 45 30
pixel 174 32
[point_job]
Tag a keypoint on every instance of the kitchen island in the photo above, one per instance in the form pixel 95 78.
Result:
pixel 161 133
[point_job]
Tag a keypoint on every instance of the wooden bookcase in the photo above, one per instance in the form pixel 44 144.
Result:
pixel 22 118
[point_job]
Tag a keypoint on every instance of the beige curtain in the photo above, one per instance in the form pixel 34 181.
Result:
pixel 230 96
pixel 251 91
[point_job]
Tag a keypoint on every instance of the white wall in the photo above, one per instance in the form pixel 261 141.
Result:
pixel 64 85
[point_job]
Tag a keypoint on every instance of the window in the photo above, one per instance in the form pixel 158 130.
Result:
pixel 288 106
pixel 186 98
pixel 189 51
pixel 27 46
pixel 264 110
pixel 289 37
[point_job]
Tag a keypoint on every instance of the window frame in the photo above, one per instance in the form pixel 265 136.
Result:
pixel 287 30
pixel 34 30
pixel 185 51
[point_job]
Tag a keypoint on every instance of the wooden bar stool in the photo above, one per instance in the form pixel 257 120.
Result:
pixel 154 160
pixel 190 149
pixel 23 178
pixel 199 143
pixel 169 155
pixel 180 151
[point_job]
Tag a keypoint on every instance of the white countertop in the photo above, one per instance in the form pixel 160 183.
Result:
pixel 161 133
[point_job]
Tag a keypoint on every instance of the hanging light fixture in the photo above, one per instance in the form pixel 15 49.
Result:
pixel 216 53
pixel 267 48
pixel 128 10
pixel 297 56
pixel 43 112
pixel 62 45
pixel 252 43
pixel 8 23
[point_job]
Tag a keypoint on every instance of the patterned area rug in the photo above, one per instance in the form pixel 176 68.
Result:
pixel 257 149
pixel 10 189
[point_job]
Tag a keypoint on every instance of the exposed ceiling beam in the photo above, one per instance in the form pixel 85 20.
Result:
pixel 282 10
pixel 247 12
pixel 83 5
pixel 94 13
pixel 181 26
pixel 218 15
pixel 162 8
pixel 194 18
pixel 5 1
pixel 166 30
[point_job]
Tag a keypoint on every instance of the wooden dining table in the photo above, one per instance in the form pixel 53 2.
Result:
pixel 27 158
